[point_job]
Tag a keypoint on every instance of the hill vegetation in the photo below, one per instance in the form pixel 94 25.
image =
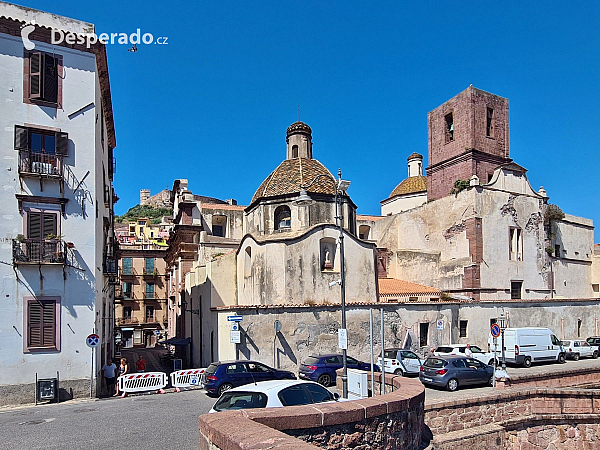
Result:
pixel 138 211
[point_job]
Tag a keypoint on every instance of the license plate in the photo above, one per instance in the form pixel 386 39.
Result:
pixel 427 379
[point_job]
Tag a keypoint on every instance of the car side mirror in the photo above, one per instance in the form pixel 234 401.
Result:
pixel 336 396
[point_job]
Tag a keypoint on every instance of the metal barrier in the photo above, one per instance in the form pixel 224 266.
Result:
pixel 186 378
pixel 140 382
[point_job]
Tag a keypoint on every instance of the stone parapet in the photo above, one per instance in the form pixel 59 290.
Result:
pixel 566 377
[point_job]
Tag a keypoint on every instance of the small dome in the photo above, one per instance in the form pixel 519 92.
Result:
pixel 291 174
pixel 411 185
pixel 298 127
pixel 415 155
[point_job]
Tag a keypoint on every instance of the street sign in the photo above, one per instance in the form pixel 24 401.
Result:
pixel 343 339
pixel 235 337
pixel 440 324
pixel 495 330
pixel 157 332
pixel 234 318
pixel 93 340
pixel 235 326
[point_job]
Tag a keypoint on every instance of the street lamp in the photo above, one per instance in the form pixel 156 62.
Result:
pixel 502 322
pixel 341 186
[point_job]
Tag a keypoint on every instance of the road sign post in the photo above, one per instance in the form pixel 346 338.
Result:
pixel 92 341
pixel 495 331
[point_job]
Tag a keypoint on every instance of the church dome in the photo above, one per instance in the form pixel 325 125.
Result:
pixel 293 173
pixel 298 127
pixel 411 185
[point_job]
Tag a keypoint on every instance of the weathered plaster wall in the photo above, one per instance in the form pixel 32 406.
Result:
pixel 403 203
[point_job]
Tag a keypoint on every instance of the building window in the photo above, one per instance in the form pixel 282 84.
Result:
pixel 493 321
pixel 516 244
pixel 127 266
pixel 218 225
pixel 248 262
pixel 294 151
pixel 127 290
pixel 515 289
pixel 149 265
pixel 462 328
pixel 40 151
pixel 596 288
pixel 489 123
pixel 149 313
pixel 578 328
pixel 42 78
pixel 283 218
pixel 557 251
pixel 149 290
pixel 449 127
pixel 127 312
pixel 364 232
pixel 423 334
pixel 42 322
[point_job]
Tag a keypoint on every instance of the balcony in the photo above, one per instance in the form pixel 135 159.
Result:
pixel 39 251
pixel 127 321
pixel 150 272
pixel 110 266
pixel 150 296
pixel 40 164
pixel 128 272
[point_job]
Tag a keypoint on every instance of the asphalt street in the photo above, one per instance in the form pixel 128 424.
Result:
pixel 148 421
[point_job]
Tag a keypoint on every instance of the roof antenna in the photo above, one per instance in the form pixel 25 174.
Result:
pixel 298 113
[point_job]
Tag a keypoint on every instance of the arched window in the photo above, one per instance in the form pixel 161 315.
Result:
pixel 294 151
pixel 283 218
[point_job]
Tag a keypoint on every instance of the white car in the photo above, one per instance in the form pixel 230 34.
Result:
pixel 401 362
pixel 273 394
pixel 579 348
pixel 459 350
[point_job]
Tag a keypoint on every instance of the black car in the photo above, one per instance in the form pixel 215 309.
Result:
pixel 221 376
pixel 454 371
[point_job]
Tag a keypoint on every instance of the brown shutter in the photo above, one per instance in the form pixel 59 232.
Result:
pixel 48 320
pixel 34 225
pixel 34 319
pixel 50 225
pixel 62 143
pixel 35 75
pixel 50 77
pixel 21 138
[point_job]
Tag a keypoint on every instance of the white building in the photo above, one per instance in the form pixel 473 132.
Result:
pixel 57 139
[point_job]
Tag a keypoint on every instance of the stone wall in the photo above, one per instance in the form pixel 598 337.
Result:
pixel 15 394
pixel 394 420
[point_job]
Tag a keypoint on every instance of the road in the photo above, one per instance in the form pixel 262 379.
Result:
pixel 167 421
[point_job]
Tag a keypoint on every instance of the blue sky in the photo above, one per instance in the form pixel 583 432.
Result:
pixel 213 104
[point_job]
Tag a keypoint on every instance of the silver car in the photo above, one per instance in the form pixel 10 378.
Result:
pixel 401 362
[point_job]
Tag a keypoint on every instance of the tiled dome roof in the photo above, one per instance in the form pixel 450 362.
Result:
pixel 414 155
pixel 410 186
pixel 291 174
pixel 298 127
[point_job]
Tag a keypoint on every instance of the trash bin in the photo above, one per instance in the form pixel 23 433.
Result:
pixel 47 389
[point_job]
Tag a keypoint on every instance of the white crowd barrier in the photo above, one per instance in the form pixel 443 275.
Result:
pixel 140 382
pixel 186 378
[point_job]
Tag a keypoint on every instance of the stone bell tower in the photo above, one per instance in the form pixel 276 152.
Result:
pixel 299 141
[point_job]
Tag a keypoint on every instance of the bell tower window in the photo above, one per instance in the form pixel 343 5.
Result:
pixel 449 127
pixel 489 124
pixel 294 151
pixel 283 218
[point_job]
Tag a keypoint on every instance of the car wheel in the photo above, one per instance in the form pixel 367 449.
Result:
pixel 595 354
pixel 324 379
pixel 561 358
pixel 527 362
pixel 575 357
pixel 398 372
pixel 491 363
pixel 225 387
pixel 453 385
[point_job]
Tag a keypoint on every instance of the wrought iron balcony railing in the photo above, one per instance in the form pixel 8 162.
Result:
pixel 40 163
pixel 127 320
pixel 39 251
pixel 150 272
pixel 128 272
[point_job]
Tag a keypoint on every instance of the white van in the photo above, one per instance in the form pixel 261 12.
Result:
pixel 527 345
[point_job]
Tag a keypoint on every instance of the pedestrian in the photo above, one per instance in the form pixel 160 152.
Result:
pixel 140 365
pixel 468 351
pixel 123 369
pixel 431 353
pixel 109 372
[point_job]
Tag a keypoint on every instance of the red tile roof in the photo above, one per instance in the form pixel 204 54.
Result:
pixel 392 286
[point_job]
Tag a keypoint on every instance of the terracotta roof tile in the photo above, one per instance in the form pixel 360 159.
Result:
pixel 291 174
pixel 410 186
pixel 392 286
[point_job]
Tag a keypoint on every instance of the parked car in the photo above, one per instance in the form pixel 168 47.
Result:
pixel 578 348
pixel 272 394
pixel 221 376
pixel 459 350
pixel 321 368
pixel 594 341
pixel 401 362
pixel 527 345
pixel 453 372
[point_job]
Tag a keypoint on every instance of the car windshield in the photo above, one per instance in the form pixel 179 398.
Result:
pixel 311 360
pixel 476 349
pixel 435 363
pixel 211 369
pixel 241 400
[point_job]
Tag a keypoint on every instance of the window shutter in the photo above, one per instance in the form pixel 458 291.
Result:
pixel 50 225
pixel 62 143
pixel 34 317
pixel 35 75
pixel 34 225
pixel 50 78
pixel 21 138
pixel 48 321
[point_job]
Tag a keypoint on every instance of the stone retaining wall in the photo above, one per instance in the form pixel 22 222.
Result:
pixel 394 420
pixel 562 378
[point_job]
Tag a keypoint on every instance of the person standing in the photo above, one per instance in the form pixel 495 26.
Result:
pixel 123 369
pixel 140 365
pixel 468 351
pixel 109 372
